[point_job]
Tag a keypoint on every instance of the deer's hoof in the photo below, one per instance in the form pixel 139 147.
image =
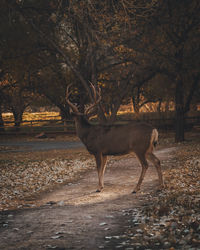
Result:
pixel 99 190
pixel 134 192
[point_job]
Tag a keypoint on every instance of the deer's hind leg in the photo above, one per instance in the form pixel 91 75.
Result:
pixel 156 162
pixel 101 166
pixel 144 164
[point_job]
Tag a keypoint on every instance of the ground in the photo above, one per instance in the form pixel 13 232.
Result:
pixel 71 215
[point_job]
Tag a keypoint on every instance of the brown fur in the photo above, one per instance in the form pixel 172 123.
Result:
pixel 102 141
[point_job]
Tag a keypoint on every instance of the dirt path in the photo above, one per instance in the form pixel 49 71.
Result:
pixel 75 216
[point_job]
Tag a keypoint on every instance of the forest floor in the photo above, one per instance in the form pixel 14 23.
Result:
pixel 48 200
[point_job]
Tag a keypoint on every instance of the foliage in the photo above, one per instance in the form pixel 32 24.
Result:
pixel 175 47
pixel 144 50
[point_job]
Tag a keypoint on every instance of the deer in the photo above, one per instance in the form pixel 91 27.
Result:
pixel 102 141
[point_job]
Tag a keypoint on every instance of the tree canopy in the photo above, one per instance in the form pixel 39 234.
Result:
pixel 128 48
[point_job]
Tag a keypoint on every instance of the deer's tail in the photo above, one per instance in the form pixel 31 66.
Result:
pixel 154 137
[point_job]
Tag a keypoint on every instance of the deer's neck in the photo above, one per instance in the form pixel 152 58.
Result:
pixel 82 126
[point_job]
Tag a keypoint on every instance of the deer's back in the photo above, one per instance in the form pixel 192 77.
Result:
pixel 118 139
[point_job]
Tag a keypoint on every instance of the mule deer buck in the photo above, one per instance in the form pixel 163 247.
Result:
pixel 104 140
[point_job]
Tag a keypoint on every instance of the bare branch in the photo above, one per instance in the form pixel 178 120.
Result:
pixel 72 106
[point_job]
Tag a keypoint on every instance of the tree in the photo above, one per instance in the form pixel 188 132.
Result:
pixel 141 94
pixel 85 34
pixel 51 82
pixel 23 53
pixel 4 86
pixel 17 100
pixel 176 46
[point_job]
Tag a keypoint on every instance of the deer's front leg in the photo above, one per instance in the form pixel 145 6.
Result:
pixel 101 165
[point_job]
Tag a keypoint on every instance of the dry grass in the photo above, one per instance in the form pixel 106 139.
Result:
pixel 33 116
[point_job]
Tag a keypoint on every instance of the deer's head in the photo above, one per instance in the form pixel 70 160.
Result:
pixel 91 110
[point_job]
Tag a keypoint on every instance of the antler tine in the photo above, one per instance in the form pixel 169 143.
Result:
pixel 96 101
pixel 67 91
pixel 73 107
pixel 99 93
pixel 93 90
pixel 95 93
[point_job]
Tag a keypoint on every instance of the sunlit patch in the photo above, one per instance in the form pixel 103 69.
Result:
pixel 93 198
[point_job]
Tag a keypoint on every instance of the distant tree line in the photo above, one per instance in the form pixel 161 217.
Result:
pixel 144 51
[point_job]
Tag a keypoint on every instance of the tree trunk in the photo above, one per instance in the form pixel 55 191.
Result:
pixel 167 106
pixel 180 114
pixel 136 101
pixel 1 121
pixel 136 106
pixel 65 115
pixel 159 105
pixel 17 118
pixel 113 115
pixel 64 112
pixel 179 125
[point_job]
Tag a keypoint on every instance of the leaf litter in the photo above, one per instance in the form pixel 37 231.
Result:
pixel 169 219
pixel 23 177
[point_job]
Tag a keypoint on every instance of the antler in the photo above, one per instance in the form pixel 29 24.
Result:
pixel 97 99
pixel 89 111
pixel 73 107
